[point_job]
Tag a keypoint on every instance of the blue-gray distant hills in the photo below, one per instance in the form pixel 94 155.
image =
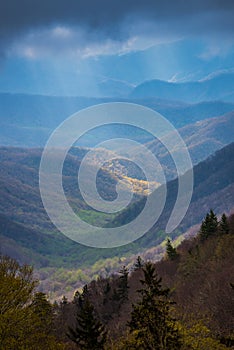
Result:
pixel 28 120
pixel 214 87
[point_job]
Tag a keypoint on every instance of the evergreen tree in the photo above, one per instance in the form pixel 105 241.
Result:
pixel 171 251
pixel 88 332
pixel 209 225
pixel 80 298
pixel 106 292
pixel 123 284
pixel 139 263
pixel 224 225
pixel 151 323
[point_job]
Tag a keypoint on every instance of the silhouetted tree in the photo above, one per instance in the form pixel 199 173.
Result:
pixel 88 332
pixel 151 322
pixel 139 263
pixel 123 284
pixel 209 225
pixel 171 251
pixel 224 225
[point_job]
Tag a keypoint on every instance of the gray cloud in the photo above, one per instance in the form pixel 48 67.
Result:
pixel 109 19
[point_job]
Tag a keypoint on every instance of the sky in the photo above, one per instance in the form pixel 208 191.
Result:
pixel 77 47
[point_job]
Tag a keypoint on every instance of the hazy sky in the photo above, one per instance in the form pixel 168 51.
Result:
pixel 77 37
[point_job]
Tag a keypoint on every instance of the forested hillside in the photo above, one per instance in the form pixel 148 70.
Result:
pixel 185 301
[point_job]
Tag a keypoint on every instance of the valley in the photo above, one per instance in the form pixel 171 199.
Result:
pixel 28 235
pixel 116 175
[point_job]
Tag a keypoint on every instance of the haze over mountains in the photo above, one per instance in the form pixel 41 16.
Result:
pixel 53 71
pixel 203 113
pixel 116 75
pixel 28 120
pixel 214 87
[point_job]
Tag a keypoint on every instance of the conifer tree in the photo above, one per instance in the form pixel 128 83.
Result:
pixel 123 284
pixel 88 332
pixel 139 263
pixel 151 324
pixel 209 225
pixel 106 292
pixel 224 225
pixel 171 251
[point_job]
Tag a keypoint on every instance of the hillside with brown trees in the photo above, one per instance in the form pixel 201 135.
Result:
pixel 185 301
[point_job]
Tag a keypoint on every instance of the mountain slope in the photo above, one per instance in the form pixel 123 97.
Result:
pixel 202 139
pixel 200 279
pixel 213 188
pixel 26 233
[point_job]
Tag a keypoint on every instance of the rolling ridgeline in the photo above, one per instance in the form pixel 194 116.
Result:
pixel 174 295
pixel 26 232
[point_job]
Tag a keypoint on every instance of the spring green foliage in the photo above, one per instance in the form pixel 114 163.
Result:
pixel 88 332
pixel 25 316
pixel 151 324
pixel 197 336
pixel 43 312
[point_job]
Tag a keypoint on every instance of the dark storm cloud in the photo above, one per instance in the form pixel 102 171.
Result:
pixel 18 17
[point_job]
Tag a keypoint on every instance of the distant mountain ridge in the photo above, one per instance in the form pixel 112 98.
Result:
pixel 218 87
pixel 29 120
pixel 19 192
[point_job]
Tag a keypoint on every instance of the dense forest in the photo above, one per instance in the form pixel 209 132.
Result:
pixel 185 301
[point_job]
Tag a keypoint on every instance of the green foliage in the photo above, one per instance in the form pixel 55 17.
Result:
pixel 25 317
pixel 198 337
pixel 43 313
pixel 151 324
pixel 95 218
pixel 88 332
pixel 16 290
